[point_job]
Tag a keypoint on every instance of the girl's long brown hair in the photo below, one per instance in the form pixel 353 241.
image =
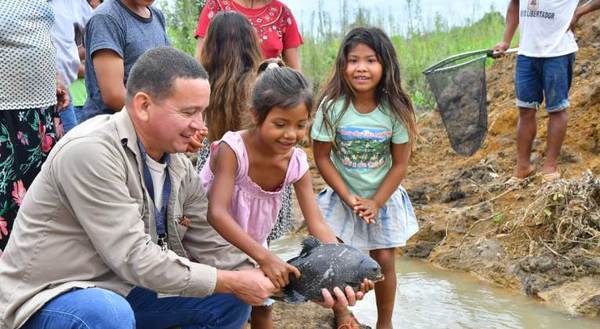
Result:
pixel 389 90
pixel 231 56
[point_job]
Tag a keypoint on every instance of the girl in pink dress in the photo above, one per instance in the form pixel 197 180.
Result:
pixel 248 170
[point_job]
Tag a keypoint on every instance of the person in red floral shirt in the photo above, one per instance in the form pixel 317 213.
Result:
pixel 273 21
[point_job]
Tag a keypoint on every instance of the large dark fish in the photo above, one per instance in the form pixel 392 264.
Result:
pixel 327 266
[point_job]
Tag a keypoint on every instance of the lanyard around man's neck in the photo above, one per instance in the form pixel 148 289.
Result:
pixel 160 215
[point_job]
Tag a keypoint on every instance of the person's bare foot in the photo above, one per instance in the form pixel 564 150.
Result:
pixel 549 169
pixel 524 172
pixel 346 320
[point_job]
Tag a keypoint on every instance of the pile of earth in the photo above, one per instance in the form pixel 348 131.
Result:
pixel 541 239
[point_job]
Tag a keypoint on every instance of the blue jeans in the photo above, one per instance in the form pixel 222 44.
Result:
pixel 96 308
pixel 84 113
pixel 89 110
pixel 68 118
pixel 539 78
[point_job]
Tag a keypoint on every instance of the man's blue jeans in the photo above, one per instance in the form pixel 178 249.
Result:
pixel 67 117
pixel 96 308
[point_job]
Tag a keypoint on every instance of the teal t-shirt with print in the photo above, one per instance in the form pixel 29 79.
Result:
pixel 362 144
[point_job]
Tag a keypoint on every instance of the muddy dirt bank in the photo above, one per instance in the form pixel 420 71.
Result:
pixel 541 239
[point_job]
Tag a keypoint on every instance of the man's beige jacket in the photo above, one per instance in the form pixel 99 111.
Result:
pixel 87 221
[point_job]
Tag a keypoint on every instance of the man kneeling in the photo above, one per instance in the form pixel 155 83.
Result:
pixel 113 233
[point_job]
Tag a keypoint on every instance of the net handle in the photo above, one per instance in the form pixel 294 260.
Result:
pixel 487 52
pixel 495 54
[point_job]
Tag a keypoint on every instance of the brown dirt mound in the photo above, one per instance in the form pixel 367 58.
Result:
pixel 542 240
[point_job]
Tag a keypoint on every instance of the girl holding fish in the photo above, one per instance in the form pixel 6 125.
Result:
pixel 248 170
pixel 362 139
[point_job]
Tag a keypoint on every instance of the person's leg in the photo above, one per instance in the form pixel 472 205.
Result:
pixel 557 129
pixel 77 110
pixel 25 133
pixel 223 311
pixel 558 73
pixel 91 308
pixel 385 291
pixel 261 317
pixel 529 90
pixel 526 131
pixel 68 118
pixel 9 166
pixel 85 113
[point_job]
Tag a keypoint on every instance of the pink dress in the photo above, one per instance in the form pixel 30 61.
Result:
pixel 254 209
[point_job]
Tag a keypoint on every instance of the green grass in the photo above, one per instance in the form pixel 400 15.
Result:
pixel 416 52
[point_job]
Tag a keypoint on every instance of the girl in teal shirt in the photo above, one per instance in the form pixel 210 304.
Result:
pixel 363 135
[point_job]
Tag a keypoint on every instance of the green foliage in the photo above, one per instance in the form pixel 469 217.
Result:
pixel 416 49
pixel 182 18
pixel 418 46
pixel 497 218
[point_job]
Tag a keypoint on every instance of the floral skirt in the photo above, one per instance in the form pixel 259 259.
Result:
pixel 26 137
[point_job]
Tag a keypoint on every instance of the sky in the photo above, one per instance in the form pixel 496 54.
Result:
pixel 455 12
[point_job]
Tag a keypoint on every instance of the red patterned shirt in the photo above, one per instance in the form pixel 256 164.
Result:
pixel 274 23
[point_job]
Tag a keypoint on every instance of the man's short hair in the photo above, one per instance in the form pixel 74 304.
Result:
pixel 157 69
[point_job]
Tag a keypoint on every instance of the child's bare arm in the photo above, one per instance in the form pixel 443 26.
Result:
pixel 310 210
pixel 197 140
pixel 400 156
pixel 321 151
pixel 219 201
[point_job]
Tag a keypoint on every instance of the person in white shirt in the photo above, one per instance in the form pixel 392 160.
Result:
pixel 68 14
pixel 544 72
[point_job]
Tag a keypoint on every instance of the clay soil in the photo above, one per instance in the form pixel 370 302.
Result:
pixel 473 222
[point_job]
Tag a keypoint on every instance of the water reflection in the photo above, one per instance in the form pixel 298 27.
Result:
pixel 431 298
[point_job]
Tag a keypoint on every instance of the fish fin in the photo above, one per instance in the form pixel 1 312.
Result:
pixel 309 243
pixel 291 296
pixel 291 260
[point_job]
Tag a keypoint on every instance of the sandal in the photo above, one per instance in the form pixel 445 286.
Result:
pixel 515 181
pixel 550 177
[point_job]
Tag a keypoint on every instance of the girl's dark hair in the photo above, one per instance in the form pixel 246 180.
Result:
pixel 279 86
pixel 389 90
pixel 231 55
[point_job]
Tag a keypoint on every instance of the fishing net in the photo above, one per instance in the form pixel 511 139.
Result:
pixel 458 85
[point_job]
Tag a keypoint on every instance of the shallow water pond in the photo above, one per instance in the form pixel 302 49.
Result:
pixel 428 297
